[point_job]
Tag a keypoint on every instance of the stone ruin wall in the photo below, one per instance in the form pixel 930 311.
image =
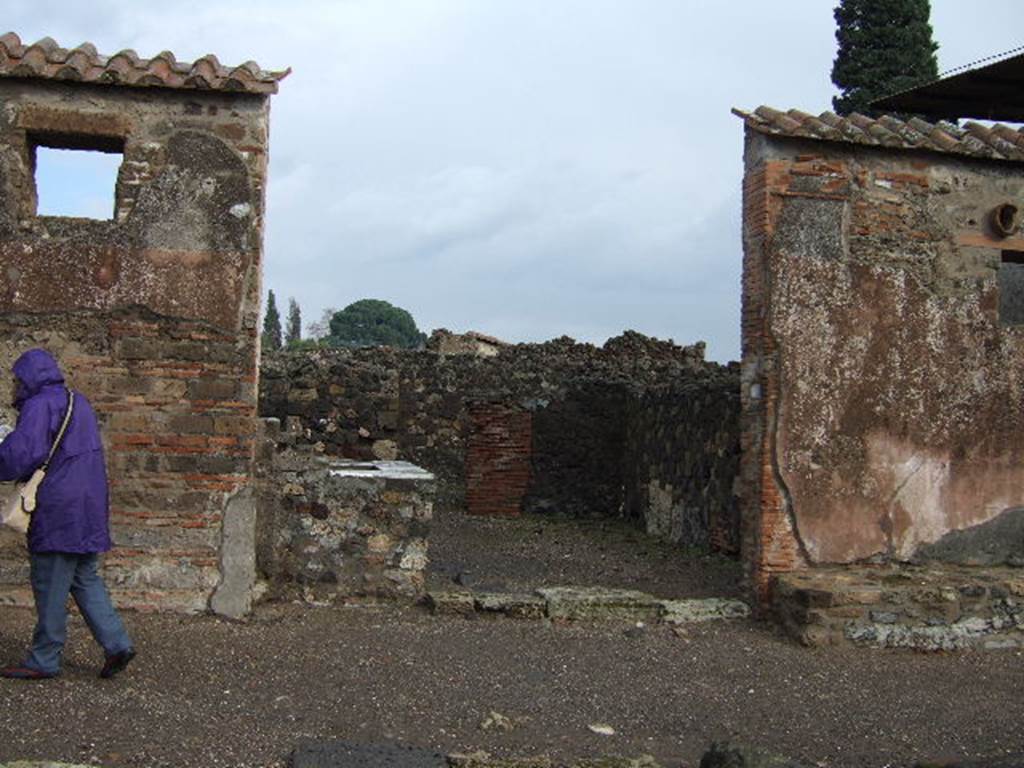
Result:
pixel 562 427
pixel 153 315
pixel 683 474
pixel 331 529
pixel 882 358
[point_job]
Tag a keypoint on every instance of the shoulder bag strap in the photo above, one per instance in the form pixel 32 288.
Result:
pixel 63 429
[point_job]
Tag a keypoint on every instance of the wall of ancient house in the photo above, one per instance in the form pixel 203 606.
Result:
pixel 682 469
pixel 538 427
pixel 153 315
pixel 330 529
pixel 882 355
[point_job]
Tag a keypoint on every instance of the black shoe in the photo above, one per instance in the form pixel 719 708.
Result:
pixel 26 673
pixel 116 663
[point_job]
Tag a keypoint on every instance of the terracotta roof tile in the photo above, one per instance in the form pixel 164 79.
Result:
pixel 46 59
pixel 998 142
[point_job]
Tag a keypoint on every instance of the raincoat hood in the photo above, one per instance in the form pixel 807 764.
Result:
pixel 34 370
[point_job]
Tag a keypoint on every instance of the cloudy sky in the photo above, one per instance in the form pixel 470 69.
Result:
pixel 525 168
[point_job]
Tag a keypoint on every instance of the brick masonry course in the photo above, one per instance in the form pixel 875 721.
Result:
pixel 152 314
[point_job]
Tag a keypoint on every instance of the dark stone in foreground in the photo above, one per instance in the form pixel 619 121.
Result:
pixel 344 754
pixel 1008 761
pixel 726 755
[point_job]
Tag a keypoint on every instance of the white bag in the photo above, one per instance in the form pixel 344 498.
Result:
pixel 21 502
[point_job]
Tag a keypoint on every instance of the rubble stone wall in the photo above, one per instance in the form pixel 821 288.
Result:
pixel 682 448
pixel 418 406
pixel 881 355
pixel 330 529
pixel 153 315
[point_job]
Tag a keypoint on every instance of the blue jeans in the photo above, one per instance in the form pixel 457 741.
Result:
pixel 54 576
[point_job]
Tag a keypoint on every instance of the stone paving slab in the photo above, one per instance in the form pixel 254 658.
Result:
pixel 687 611
pixel 590 603
pixel 483 760
pixel 585 604
pixel 516 606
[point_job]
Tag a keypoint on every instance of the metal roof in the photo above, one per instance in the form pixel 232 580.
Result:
pixel 992 92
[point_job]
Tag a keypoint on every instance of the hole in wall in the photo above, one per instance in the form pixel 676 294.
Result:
pixel 1011 288
pixel 76 176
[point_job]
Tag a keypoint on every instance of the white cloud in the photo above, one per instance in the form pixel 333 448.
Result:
pixel 527 168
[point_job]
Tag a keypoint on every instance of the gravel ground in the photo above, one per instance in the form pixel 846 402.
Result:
pixel 521 554
pixel 207 692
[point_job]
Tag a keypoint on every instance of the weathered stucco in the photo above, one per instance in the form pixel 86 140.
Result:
pixel 183 238
pixel 882 391
pixel 153 316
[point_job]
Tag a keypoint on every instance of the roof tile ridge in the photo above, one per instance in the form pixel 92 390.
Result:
pixel 51 50
pixel 846 130
pixel 88 49
pixel 991 138
pixel 161 67
pixel 32 63
pixel 951 128
pixel 778 120
pixel 128 55
pixel 876 130
pixel 814 125
pixel 46 59
pixel 934 137
pixel 766 113
pixel 1014 136
pixel 971 144
pixel 149 78
pixel 12 45
pixel 205 68
pixel 249 66
pixel 904 129
pixel 861 128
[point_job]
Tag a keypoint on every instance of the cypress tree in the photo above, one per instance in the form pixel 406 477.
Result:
pixel 293 328
pixel 271 338
pixel 885 46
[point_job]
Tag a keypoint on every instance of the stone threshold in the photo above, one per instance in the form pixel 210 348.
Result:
pixel 921 607
pixel 584 604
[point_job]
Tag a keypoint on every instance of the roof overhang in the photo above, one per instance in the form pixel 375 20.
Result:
pixel 992 92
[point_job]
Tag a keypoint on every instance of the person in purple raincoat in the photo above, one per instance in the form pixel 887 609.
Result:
pixel 70 525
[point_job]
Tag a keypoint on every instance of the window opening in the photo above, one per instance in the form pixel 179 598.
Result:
pixel 76 176
pixel 1011 288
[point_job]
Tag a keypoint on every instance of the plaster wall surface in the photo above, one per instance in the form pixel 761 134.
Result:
pixel 882 385
pixel 152 313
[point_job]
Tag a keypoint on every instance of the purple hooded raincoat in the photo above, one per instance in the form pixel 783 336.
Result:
pixel 72 505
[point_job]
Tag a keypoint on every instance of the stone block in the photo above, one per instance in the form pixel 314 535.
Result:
pixel 728 755
pixel 451 603
pixel 515 606
pixel 597 603
pixel 688 611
